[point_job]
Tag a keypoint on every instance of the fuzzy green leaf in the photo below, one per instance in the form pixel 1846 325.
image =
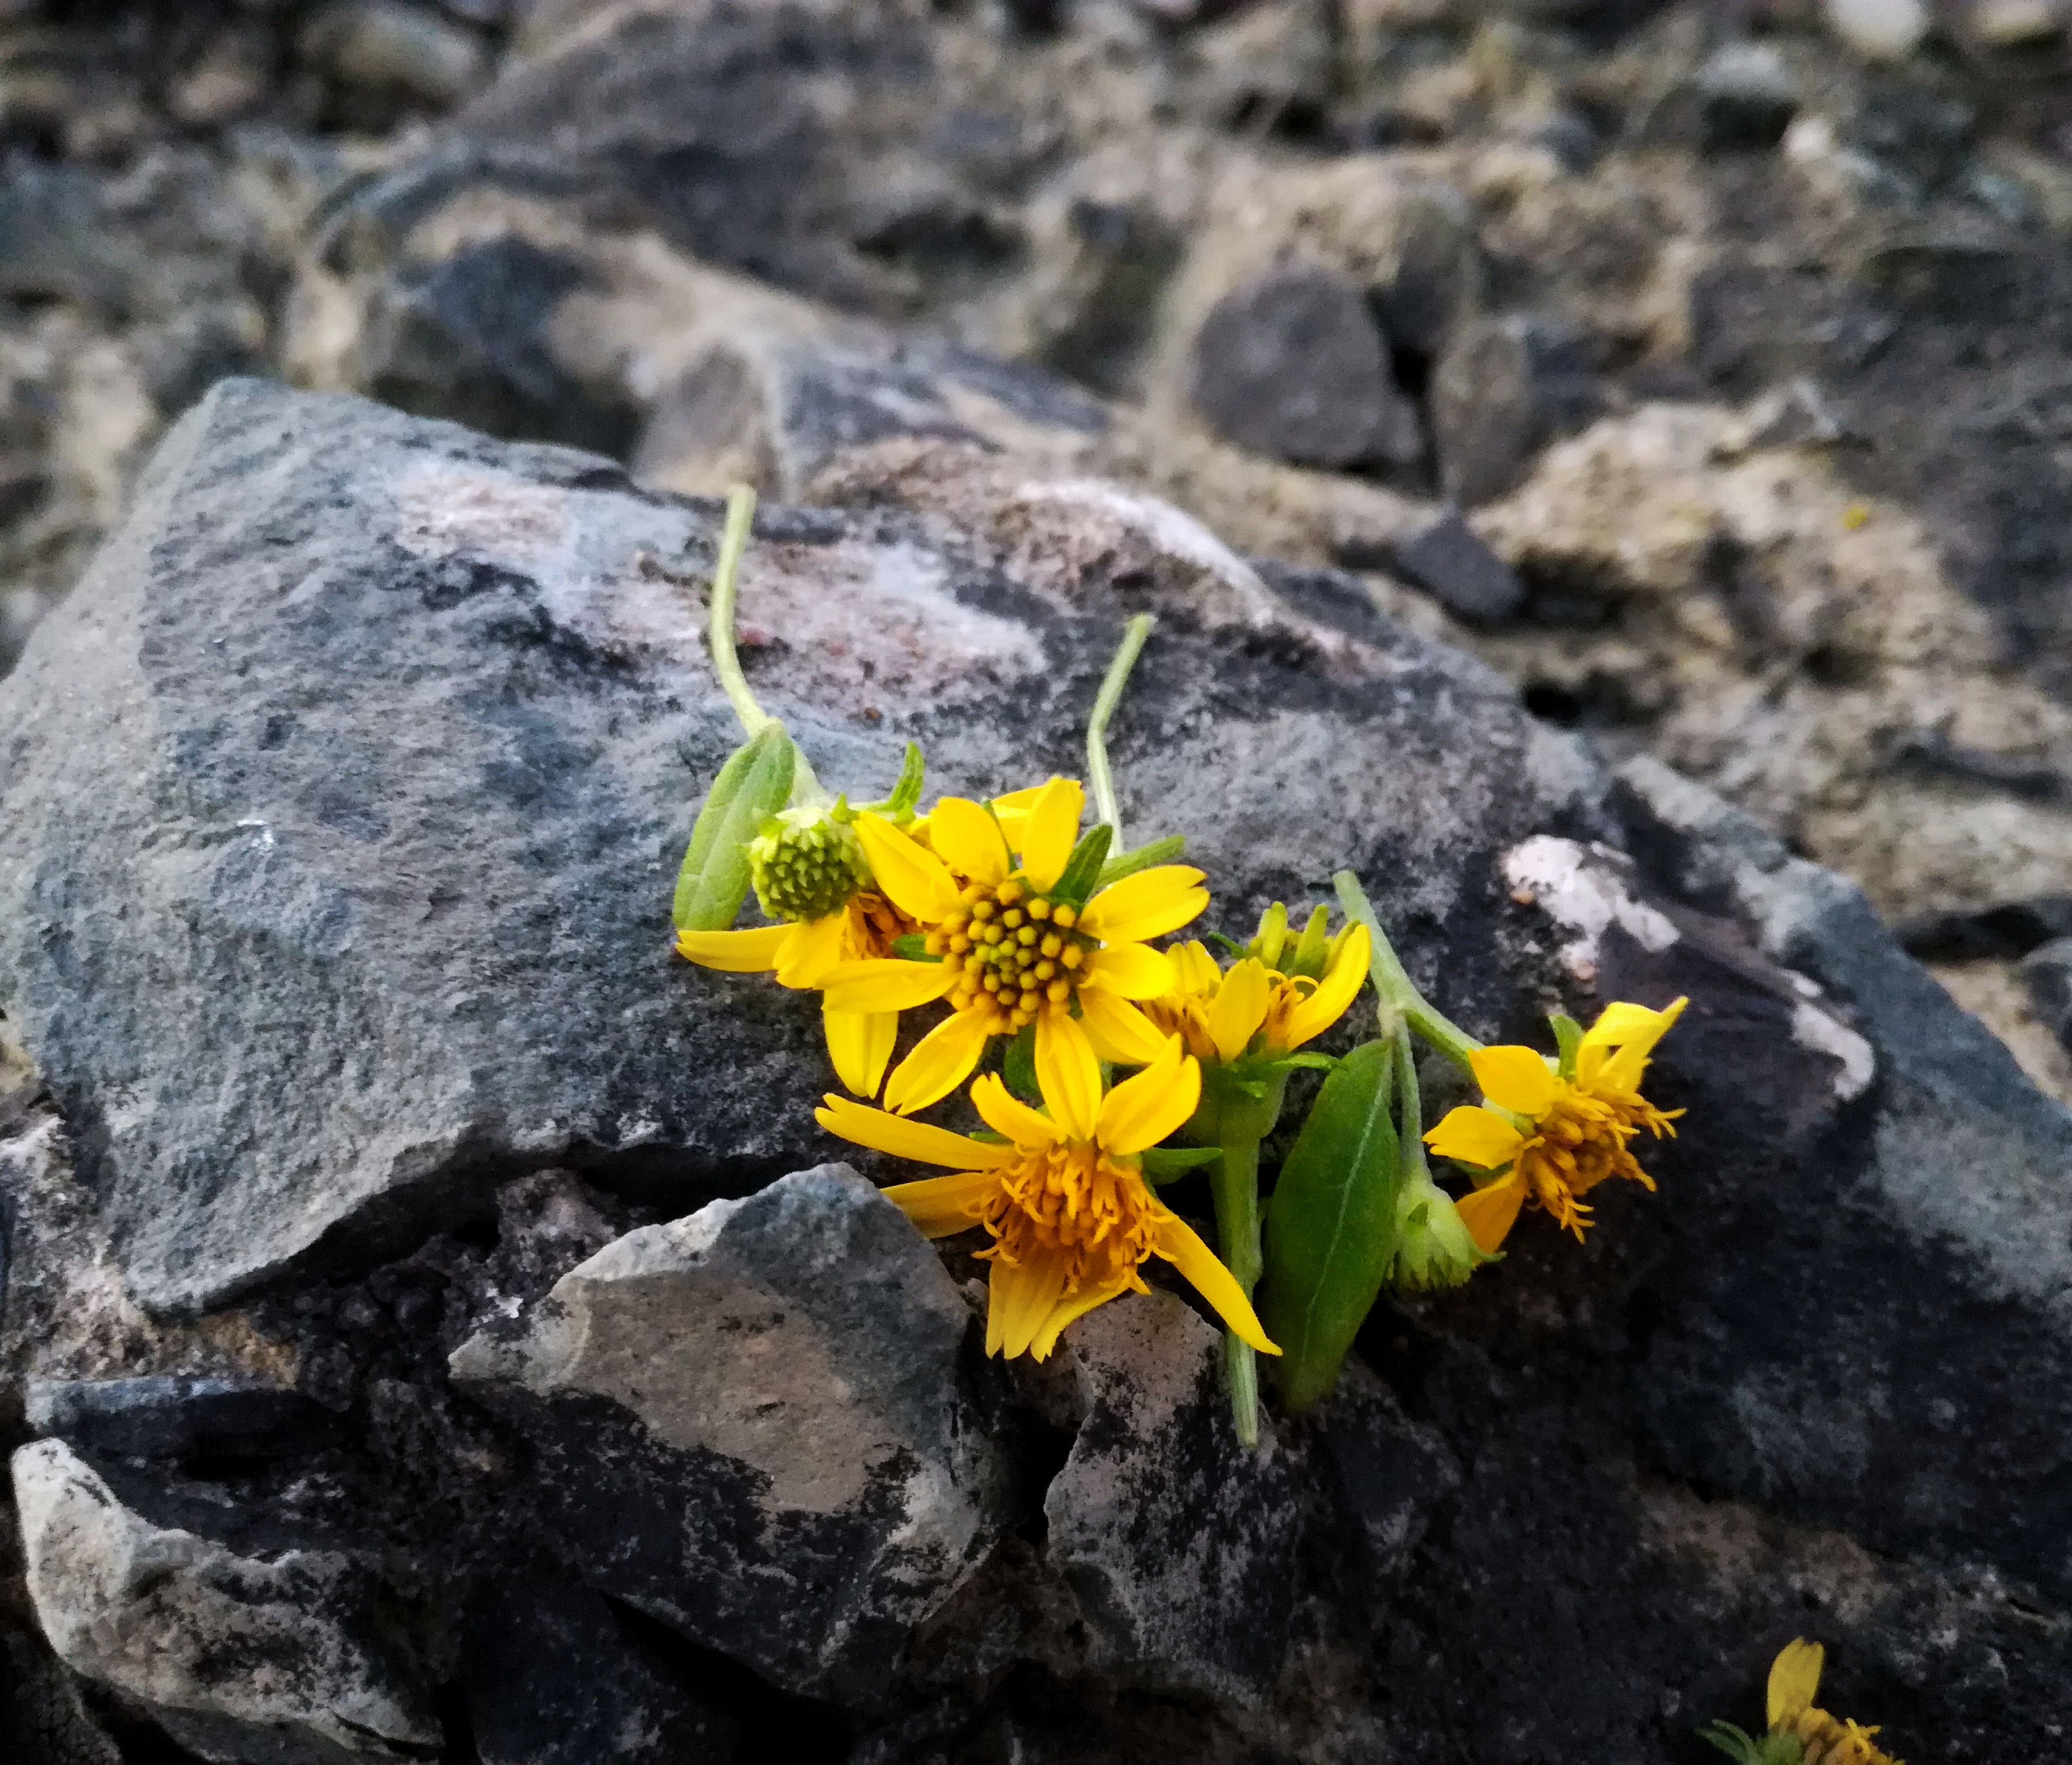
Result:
pixel 1331 1227
pixel 1568 1037
pixel 1128 864
pixel 1163 1163
pixel 753 786
pixel 906 794
pixel 1083 869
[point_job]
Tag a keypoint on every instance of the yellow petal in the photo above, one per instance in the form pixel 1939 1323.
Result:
pixel 968 840
pixel 736 952
pixel 1333 996
pixel 942 1206
pixel 1075 1304
pixel 1119 1031
pixel 1148 904
pixel 1050 832
pixel 860 1043
pixel 1516 1079
pixel 882 1133
pixel 1479 1137
pixel 1069 1072
pixel 1019 1298
pixel 1195 968
pixel 1239 1008
pixel 1622 1072
pixel 1794 1678
pixel 913 878
pixel 937 1065
pixel 1141 1111
pixel 1005 1113
pixel 1019 803
pixel 1130 971
pixel 816 947
pixel 886 984
pixel 1490 1213
pixel 1182 1246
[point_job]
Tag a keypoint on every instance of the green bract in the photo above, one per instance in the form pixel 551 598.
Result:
pixel 808 863
pixel 752 786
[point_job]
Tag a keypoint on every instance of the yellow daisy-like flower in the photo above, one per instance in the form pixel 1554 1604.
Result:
pixel 1794 1677
pixel 1555 1136
pixel 1009 953
pixel 803 954
pixel 1064 1198
pixel 1256 1009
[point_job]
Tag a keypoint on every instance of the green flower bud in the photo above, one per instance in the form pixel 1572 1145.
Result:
pixel 1434 1248
pixel 808 863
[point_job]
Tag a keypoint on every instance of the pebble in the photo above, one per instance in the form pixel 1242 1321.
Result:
pixel 1882 30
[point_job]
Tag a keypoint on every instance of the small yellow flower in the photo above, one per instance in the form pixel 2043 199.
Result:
pixel 1799 1734
pixel 1071 1218
pixel 803 954
pixel 1553 1135
pixel 1009 953
pixel 1256 1009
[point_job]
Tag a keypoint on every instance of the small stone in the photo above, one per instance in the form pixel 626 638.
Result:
pixel 1504 388
pixel 2046 971
pixel 1293 365
pixel 2014 24
pixel 383 45
pixel 1450 562
pixel 1746 96
pixel 1881 30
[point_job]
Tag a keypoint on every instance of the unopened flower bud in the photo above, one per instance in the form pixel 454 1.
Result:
pixel 1433 1247
pixel 809 865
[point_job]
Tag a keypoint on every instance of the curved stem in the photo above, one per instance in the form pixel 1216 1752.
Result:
pixel 1397 991
pixel 727 663
pixel 1101 780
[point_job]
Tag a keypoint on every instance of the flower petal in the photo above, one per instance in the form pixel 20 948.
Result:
pixel 1490 1212
pixel 1005 1113
pixel 816 947
pixel 936 1065
pixel 942 1206
pixel 1119 1031
pixel 1794 1680
pixel 1075 1304
pixel 736 952
pixel 968 840
pixel 864 1125
pixel 1516 1079
pixel 1479 1137
pixel 886 984
pixel 1148 904
pixel 860 1043
pixel 1130 971
pixel 1050 832
pixel 1335 993
pixel 1019 1297
pixel 1195 968
pixel 1141 1111
pixel 1019 803
pixel 1239 1008
pixel 910 876
pixel 1622 1072
pixel 1182 1246
pixel 1069 1072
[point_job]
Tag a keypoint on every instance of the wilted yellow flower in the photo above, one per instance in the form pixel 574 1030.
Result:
pixel 1554 1134
pixel 1254 1007
pixel 1072 1217
pixel 1011 949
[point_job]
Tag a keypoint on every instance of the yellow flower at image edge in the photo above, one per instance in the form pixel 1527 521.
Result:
pixel 1071 1218
pixel 1794 1677
pixel 802 954
pixel 1559 1136
pixel 1219 1015
pixel 1006 953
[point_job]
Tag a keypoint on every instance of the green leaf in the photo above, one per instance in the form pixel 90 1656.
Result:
pixel 1017 1066
pixel 1331 1227
pixel 1315 1063
pixel 1568 1037
pixel 1163 1163
pixel 1128 864
pixel 1231 945
pixel 1083 869
pixel 906 794
pixel 752 786
pixel 914 947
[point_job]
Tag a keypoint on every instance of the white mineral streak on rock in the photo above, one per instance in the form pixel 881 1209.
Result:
pixel 1586 897
pixel 1820 1031
pixel 235 1645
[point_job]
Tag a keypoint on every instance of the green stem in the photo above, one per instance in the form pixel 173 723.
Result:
pixel 1236 1187
pixel 1397 991
pixel 726 664
pixel 1098 775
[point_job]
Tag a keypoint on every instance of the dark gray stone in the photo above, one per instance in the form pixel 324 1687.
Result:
pixel 167 1417
pixel 2046 971
pixel 1449 561
pixel 1746 96
pixel 2004 933
pixel 1504 388
pixel 1293 365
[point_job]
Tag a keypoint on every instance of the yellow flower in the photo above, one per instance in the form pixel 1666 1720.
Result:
pixel 1559 1134
pixel 1794 1676
pixel 804 953
pixel 1071 1218
pixel 981 890
pixel 1255 1008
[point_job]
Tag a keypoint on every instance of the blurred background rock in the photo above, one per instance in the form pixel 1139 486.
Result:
pixel 1707 369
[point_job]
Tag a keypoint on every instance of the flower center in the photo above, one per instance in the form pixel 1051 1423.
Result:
pixel 1072 1202
pixel 807 871
pixel 1012 951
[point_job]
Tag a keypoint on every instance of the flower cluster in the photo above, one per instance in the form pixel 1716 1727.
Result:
pixel 1104 1062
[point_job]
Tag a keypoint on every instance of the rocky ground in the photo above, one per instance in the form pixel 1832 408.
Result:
pixel 1702 371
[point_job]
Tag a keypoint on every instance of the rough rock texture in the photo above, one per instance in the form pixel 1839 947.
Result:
pixel 374 1215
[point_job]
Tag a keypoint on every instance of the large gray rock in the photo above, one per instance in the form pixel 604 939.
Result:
pixel 753 1422
pixel 275 1660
